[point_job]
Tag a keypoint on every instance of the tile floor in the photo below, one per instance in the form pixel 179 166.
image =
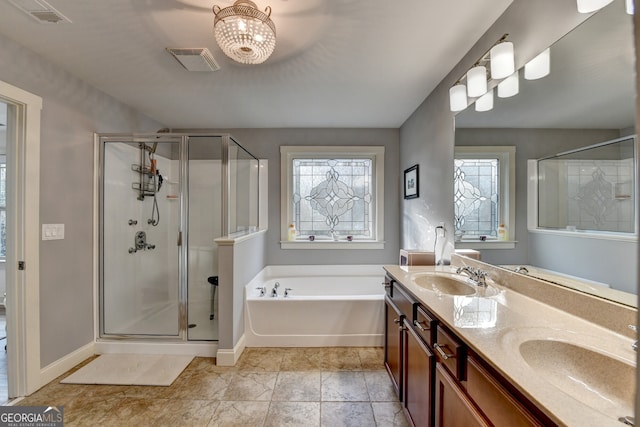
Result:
pixel 331 387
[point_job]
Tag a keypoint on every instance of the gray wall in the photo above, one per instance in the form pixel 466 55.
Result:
pixel 72 112
pixel 427 137
pixel 265 144
pixel 530 144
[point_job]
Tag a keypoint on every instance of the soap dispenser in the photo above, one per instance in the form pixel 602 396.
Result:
pixel 502 233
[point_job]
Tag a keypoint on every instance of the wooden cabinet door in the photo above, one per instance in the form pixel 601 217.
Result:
pixel 453 407
pixel 393 341
pixel 419 367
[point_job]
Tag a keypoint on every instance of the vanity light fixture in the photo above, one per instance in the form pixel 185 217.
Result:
pixel 458 97
pixel 485 102
pixel 244 33
pixel 509 86
pixel 477 81
pixel 502 60
pixel 474 83
pixel 539 66
pixel 588 6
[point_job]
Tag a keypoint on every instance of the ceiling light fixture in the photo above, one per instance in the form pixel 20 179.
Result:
pixel 539 66
pixel 588 6
pixel 503 62
pixel 509 86
pixel 244 33
pixel 485 102
pixel 477 81
pixel 458 97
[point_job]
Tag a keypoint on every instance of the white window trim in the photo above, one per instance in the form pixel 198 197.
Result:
pixel 507 206
pixel 289 152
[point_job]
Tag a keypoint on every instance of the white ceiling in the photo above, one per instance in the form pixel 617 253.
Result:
pixel 591 84
pixel 337 63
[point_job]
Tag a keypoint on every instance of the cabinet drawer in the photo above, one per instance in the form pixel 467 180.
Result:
pixel 425 326
pixel 450 352
pixel 402 300
pixel 498 405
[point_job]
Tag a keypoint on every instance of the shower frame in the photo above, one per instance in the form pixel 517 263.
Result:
pixel 100 140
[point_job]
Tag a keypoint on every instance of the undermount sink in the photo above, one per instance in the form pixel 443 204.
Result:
pixel 598 380
pixel 451 284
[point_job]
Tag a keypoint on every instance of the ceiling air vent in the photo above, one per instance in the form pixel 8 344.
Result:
pixel 195 59
pixel 41 11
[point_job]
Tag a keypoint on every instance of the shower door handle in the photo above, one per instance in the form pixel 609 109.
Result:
pixel 179 238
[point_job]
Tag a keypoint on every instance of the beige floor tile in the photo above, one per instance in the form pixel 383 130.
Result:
pixel 297 387
pixel 302 359
pixel 192 413
pixel 340 359
pixel 379 386
pixel 344 387
pixel 135 412
pixel 371 358
pixel 347 414
pixel 293 414
pixel 251 386
pixel 54 394
pixel 88 410
pixel 261 360
pixel 241 414
pixel 210 386
pixel 389 414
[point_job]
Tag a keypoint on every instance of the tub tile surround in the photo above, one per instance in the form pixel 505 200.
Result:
pixel 518 316
pixel 267 387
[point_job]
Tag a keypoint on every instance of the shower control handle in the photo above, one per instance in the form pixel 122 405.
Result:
pixel 179 238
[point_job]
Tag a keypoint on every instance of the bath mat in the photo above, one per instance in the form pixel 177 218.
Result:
pixel 130 369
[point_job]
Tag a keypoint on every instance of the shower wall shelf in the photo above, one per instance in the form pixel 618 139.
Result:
pixel 146 185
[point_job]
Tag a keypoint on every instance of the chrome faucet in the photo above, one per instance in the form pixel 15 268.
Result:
pixel 262 289
pixel 274 291
pixel 476 275
pixel 634 346
pixel 521 269
pixel 286 292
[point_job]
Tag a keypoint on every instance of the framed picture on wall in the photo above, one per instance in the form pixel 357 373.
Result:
pixel 411 182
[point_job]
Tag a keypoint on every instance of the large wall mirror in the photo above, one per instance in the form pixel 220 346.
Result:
pixel 588 98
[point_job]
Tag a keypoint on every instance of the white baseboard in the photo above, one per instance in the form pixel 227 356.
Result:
pixel 62 365
pixel 229 357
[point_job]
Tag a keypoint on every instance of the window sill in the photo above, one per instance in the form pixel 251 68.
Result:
pixel 491 244
pixel 330 244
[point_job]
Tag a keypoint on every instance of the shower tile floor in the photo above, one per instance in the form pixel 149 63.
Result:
pixel 341 386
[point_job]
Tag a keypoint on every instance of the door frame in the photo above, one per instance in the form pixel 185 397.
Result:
pixel 23 240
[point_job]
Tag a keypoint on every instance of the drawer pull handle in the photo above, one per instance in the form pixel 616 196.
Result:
pixel 440 349
pixel 419 326
pixel 396 321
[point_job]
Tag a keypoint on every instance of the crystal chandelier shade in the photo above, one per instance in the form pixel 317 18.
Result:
pixel 244 33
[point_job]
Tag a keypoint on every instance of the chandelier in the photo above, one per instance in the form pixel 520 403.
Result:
pixel 244 33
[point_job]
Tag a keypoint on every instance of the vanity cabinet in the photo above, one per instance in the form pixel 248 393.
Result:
pixel 441 382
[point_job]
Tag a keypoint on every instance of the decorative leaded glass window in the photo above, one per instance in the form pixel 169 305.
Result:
pixel 476 197
pixel 333 195
pixel 484 192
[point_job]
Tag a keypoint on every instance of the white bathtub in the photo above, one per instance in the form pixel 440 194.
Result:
pixel 326 306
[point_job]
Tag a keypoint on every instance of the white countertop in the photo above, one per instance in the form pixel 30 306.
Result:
pixel 494 327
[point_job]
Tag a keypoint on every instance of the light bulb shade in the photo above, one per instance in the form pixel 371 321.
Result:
pixel 502 60
pixel 458 97
pixel 588 6
pixel 630 8
pixel 244 33
pixel 509 86
pixel 539 66
pixel 477 81
pixel 485 102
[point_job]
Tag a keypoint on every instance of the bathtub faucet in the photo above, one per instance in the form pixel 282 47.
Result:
pixel 274 291
pixel 262 289
pixel 286 292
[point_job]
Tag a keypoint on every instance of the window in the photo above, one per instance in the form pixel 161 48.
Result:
pixel 333 196
pixel 484 195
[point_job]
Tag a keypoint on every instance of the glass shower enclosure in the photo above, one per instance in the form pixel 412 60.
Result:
pixel 164 199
